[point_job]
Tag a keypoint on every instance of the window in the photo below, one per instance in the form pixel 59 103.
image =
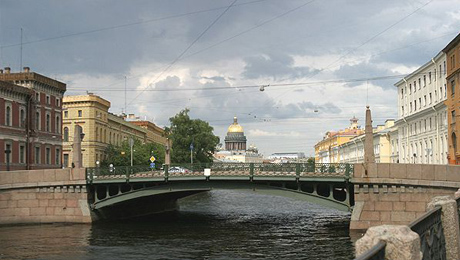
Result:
pixel 48 155
pixel 22 153
pixel 445 90
pixel 22 118
pixel 424 100
pixel 37 120
pixel 453 116
pixel 440 69
pixel 410 88
pixel 415 86
pixel 424 80
pixel 415 105
pixel 48 123
pixel 58 102
pixel 434 74
pixel 452 61
pixel 419 103
pixel 402 110
pixel 410 106
pixel 58 125
pixel 66 114
pixel 66 134
pixel 452 86
pixel 445 69
pixel 37 97
pixel 48 100
pixel 58 156
pixel 431 98
pixel 37 155
pixel 402 93
pixel 66 160
pixel 8 115
pixel 419 83
pixel 97 134
pixel 429 77
pixel 79 113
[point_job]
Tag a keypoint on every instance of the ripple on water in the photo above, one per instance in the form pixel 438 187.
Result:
pixel 213 225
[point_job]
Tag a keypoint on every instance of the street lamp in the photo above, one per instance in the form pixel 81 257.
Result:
pixel 131 143
pixel 7 153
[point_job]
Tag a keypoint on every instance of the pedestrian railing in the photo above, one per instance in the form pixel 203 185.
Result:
pixel 224 169
pixel 430 230
pixel 377 252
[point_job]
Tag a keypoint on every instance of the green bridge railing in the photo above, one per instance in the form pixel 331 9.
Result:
pixel 343 170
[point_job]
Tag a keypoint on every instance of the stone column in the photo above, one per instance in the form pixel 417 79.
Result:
pixel 401 242
pixel 450 224
pixel 369 156
pixel 76 148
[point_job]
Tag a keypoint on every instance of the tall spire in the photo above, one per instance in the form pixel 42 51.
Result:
pixel 369 156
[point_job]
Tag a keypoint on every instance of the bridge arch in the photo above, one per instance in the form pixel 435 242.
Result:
pixel 111 200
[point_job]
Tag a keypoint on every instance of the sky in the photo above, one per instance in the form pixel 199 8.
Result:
pixel 319 62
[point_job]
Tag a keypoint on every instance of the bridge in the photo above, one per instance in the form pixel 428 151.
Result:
pixel 122 192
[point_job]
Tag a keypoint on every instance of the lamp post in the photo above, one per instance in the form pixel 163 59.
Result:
pixel 7 153
pixel 131 143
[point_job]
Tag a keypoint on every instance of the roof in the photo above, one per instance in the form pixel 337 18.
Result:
pixel 452 44
pixel 15 88
pixel 11 77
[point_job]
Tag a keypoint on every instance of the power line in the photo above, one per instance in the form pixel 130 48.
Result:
pixel 186 49
pixel 126 25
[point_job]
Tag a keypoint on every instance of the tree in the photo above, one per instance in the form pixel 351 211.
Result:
pixel 121 155
pixel 185 131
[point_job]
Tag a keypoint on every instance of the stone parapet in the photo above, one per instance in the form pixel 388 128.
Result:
pixel 379 204
pixel 41 178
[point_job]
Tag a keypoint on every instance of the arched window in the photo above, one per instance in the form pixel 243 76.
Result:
pixel 102 138
pixel 97 134
pixel 66 134
pixel 105 135
pixel 58 125
pixel 8 116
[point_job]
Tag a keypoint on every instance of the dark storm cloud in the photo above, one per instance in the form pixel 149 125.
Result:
pixel 364 71
pixel 277 66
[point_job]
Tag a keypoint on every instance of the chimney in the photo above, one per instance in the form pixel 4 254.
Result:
pixel 7 70
pixel 26 69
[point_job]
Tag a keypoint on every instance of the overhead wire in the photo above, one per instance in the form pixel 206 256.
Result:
pixel 186 49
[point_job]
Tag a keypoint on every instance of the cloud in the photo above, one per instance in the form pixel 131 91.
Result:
pixel 276 66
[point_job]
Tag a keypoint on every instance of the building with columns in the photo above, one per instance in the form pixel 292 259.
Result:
pixel 101 128
pixel 30 121
pixel 327 150
pixel 452 52
pixel 422 114
pixel 235 147
pixel 353 150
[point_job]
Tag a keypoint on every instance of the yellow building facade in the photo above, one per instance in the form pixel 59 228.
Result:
pixel 327 150
pixel 101 128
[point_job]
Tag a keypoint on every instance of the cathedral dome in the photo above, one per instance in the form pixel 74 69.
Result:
pixel 235 127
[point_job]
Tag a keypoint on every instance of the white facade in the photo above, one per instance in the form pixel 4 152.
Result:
pixel 422 114
pixel 353 150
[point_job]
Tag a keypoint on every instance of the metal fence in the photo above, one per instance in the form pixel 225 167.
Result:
pixel 225 169
pixel 432 240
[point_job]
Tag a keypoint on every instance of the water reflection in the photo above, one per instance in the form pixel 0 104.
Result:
pixel 214 225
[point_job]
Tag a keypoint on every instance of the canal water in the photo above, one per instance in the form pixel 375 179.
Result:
pixel 212 225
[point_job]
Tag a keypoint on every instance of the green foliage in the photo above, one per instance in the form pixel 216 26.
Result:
pixel 121 155
pixel 184 131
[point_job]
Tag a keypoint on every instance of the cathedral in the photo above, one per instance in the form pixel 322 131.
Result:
pixel 235 147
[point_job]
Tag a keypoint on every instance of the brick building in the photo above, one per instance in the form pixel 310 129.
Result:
pixel 452 51
pixel 30 121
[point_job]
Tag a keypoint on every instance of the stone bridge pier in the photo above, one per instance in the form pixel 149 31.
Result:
pixel 44 196
pixel 397 194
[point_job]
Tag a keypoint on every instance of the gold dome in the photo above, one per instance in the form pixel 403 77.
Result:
pixel 235 127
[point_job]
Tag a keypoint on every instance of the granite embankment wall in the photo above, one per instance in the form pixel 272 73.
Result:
pixel 44 196
pixel 397 194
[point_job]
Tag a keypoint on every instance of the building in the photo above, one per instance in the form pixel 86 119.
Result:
pixel 235 147
pixel 327 150
pixel 286 157
pixel 30 126
pixel 353 150
pixel 452 52
pixel 101 128
pixel 422 114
